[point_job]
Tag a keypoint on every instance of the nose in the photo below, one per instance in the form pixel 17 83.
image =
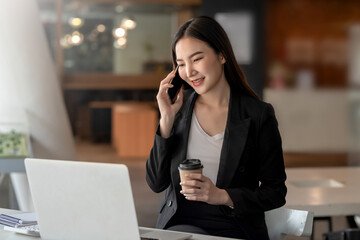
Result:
pixel 190 71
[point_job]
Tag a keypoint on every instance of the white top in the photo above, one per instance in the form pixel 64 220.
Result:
pixel 206 148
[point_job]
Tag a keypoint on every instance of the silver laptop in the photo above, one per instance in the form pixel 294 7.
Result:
pixel 82 200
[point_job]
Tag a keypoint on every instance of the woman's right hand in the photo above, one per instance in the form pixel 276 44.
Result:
pixel 167 110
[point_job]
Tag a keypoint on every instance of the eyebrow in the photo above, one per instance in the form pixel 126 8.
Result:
pixel 192 55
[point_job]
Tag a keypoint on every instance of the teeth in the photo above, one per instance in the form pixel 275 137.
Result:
pixel 198 80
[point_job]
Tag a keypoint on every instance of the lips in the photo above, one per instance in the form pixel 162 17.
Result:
pixel 198 81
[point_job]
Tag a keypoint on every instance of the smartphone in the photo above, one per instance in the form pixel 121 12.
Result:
pixel 178 83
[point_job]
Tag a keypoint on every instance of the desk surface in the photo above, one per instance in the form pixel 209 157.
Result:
pixel 6 235
pixel 330 191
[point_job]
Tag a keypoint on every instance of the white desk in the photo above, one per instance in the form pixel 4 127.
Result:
pixel 324 200
pixel 6 235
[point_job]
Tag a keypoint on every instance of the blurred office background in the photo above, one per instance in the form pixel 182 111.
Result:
pixel 302 56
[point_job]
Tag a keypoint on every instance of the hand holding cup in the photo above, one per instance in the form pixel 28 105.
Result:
pixel 197 187
pixel 187 167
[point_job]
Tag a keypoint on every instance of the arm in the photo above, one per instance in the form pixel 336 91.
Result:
pixel 158 164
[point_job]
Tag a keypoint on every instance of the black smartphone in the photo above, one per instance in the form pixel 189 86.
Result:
pixel 177 82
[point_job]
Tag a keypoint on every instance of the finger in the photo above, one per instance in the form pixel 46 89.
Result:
pixel 162 90
pixel 190 183
pixel 172 73
pixel 165 81
pixel 197 176
pixel 199 198
pixel 164 84
pixel 192 191
pixel 170 76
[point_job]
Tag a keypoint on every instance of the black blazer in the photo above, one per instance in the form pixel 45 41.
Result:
pixel 251 166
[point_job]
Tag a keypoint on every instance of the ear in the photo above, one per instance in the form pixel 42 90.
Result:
pixel 222 58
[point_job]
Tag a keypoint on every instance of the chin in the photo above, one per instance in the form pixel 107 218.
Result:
pixel 200 91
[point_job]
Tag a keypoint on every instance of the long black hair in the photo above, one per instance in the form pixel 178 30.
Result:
pixel 209 31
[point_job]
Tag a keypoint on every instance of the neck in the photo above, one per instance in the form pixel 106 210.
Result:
pixel 219 97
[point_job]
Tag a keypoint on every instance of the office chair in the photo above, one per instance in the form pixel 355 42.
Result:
pixel 283 221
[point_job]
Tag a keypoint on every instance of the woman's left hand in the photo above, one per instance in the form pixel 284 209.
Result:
pixel 202 189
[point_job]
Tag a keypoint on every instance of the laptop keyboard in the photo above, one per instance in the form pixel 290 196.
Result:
pixel 32 230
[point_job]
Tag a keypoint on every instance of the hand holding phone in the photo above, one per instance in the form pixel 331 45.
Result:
pixel 177 83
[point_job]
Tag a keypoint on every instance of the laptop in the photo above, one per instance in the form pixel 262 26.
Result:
pixel 82 200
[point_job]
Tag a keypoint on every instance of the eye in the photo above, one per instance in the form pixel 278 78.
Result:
pixel 197 59
pixel 181 65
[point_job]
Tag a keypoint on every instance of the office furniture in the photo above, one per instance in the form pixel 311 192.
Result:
pixel 10 235
pixel 326 191
pixel 133 128
pixel 98 121
pixel 284 221
pixel 296 223
pixel 348 234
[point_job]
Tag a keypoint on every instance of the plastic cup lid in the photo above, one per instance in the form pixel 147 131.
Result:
pixel 190 164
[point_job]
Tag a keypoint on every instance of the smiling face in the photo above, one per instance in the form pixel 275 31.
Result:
pixel 200 66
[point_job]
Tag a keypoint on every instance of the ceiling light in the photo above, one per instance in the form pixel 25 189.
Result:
pixel 76 22
pixel 77 38
pixel 120 43
pixel 65 41
pixel 128 23
pixel 119 8
pixel 101 28
pixel 119 32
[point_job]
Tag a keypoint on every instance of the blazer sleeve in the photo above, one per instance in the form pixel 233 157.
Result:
pixel 158 164
pixel 272 190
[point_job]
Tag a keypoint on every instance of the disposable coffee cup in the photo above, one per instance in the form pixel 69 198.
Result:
pixel 189 166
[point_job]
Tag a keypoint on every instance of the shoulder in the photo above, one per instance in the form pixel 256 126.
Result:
pixel 260 113
pixel 254 108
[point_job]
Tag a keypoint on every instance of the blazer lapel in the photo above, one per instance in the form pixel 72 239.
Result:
pixel 235 138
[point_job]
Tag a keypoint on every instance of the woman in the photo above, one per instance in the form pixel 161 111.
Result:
pixel 220 121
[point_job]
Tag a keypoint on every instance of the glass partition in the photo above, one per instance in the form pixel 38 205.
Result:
pixel 111 38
